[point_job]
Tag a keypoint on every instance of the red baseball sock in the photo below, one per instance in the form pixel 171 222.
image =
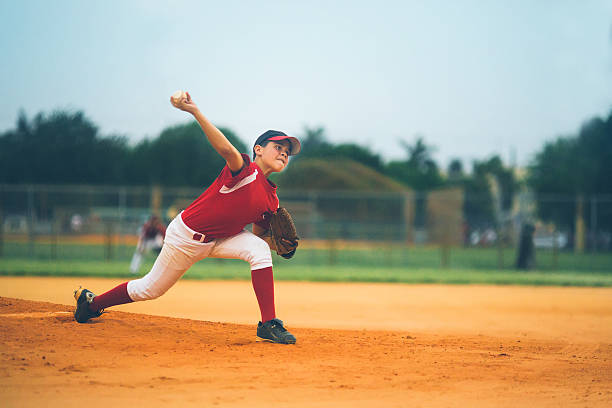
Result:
pixel 116 296
pixel 263 284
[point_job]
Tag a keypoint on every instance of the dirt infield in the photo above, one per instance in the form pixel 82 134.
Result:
pixel 425 346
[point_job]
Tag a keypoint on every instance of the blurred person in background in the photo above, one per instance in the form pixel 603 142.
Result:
pixel 150 239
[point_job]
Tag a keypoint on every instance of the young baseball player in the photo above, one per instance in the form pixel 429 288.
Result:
pixel 213 226
pixel 150 238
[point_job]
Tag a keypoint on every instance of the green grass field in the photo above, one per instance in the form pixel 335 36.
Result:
pixel 377 264
pixel 230 269
pixel 331 255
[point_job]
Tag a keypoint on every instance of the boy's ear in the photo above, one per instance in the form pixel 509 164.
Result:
pixel 257 149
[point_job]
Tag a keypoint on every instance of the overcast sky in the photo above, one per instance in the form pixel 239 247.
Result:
pixel 474 78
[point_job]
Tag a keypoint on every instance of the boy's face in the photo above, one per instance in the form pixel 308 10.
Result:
pixel 275 155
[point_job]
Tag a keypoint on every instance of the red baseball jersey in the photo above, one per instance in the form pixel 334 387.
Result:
pixel 232 202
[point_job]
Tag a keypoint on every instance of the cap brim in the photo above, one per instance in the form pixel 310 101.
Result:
pixel 295 143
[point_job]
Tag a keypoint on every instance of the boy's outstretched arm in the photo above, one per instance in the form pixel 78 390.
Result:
pixel 217 139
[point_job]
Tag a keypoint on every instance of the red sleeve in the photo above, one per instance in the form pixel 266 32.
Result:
pixel 230 180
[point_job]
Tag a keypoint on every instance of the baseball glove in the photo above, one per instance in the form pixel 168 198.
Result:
pixel 283 233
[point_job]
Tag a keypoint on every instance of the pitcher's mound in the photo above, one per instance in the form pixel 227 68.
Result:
pixel 124 359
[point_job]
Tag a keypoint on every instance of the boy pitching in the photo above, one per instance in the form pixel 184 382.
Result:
pixel 213 226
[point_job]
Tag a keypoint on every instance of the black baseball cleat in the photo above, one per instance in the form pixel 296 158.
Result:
pixel 273 331
pixel 83 298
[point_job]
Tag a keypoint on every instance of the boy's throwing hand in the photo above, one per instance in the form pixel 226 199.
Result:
pixel 183 102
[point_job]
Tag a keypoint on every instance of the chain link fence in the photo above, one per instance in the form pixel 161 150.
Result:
pixel 445 228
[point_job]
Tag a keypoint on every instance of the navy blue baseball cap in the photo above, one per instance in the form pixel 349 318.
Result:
pixel 275 136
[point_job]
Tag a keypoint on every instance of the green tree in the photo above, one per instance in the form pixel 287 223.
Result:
pixel 455 171
pixel 479 207
pixel 419 170
pixel 504 178
pixel 358 153
pixel 62 147
pixel 180 156
pixel 573 166
pixel 478 204
pixel 315 145
pixel 313 140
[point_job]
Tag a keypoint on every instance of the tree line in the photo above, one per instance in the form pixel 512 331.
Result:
pixel 65 147
pixel 578 167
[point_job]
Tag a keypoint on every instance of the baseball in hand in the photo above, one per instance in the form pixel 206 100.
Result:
pixel 177 97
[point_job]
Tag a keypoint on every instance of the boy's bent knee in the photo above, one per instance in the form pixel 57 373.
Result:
pixel 259 255
pixel 140 290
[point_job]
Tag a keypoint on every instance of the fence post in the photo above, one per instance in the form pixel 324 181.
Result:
pixel 333 247
pixel 445 249
pixel 108 238
pixel 1 232
pixel 30 193
pixel 579 238
pixel 555 250
pixel 388 243
pixel 313 220
pixel 1 224
pixel 156 200
pixel 122 212
pixel 593 232
pixel 54 237
pixel 408 211
pixel 500 248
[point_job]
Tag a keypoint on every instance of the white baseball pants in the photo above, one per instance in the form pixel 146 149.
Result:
pixel 180 251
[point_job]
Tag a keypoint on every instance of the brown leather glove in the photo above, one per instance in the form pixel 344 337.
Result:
pixel 283 233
